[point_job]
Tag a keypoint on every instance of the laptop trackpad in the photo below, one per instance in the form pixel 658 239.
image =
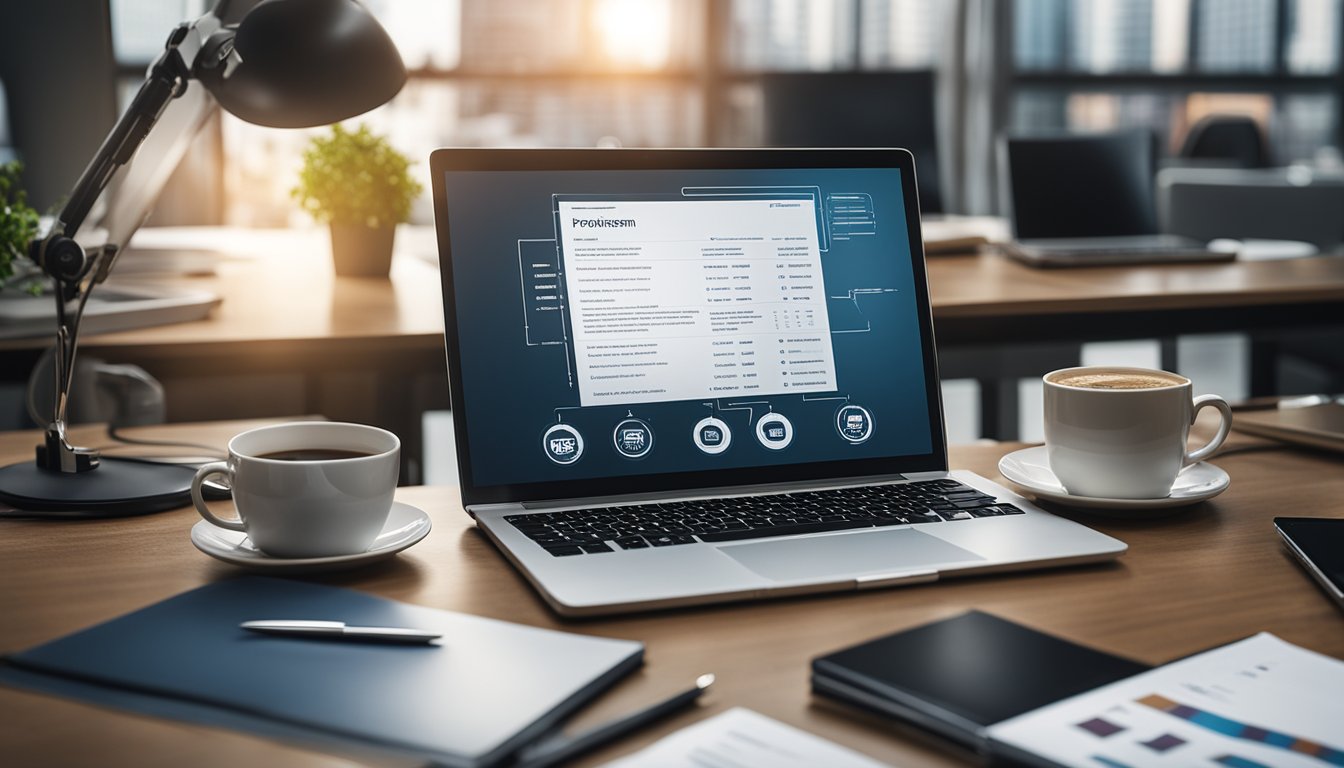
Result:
pixel 844 554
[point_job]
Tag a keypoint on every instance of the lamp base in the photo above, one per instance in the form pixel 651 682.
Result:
pixel 116 488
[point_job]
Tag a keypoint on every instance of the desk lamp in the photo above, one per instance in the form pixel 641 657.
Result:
pixel 285 64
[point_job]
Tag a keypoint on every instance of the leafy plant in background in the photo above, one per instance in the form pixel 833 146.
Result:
pixel 355 177
pixel 18 223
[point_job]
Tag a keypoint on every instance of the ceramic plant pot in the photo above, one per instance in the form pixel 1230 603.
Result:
pixel 361 251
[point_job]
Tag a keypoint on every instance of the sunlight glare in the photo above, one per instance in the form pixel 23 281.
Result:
pixel 634 32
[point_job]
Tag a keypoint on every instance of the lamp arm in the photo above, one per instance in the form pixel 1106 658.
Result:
pixel 74 271
pixel 167 79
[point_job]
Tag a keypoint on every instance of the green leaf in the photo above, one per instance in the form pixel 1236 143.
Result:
pixel 355 177
pixel 18 220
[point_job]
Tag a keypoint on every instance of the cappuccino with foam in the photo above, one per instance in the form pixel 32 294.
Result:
pixel 1120 433
pixel 1117 380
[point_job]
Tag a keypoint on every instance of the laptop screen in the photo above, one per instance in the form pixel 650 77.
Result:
pixel 679 327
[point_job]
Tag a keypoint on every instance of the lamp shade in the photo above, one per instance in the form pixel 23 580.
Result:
pixel 306 63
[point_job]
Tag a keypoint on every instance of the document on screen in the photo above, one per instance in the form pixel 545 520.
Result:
pixel 694 299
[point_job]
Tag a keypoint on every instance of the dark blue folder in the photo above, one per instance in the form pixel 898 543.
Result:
pixel 487 688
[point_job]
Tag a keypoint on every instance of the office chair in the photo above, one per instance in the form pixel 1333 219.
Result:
pixel 1080 185
pixel 1233 138
pixel 1240 203
pixel 1269 204
pixel 858 109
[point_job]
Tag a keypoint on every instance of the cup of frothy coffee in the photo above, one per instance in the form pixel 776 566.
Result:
pixel 1121 433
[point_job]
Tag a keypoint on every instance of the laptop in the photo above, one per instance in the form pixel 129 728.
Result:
pixel 1081 200
pixel 1316 421
pixel 693 376
pixel 1112 251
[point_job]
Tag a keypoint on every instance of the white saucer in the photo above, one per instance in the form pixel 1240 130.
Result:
pixel 405 526
pixel 1029 469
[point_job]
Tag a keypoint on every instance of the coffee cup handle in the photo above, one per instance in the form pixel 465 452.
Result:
pixel 205 473
pixel 1223 428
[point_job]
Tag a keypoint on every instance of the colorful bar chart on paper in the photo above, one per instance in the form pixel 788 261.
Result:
pixel 1255 703
pixel 1237 730
pixel 1233 761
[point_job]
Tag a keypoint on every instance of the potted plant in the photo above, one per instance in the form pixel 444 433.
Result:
pixel 18 226
pixel 359 185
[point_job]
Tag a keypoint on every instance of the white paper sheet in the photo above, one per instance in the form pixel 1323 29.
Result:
pixel 741 738
pixel 1256 703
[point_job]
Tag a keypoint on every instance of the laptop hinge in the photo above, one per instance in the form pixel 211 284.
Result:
pixel 934 475
pixel 879 580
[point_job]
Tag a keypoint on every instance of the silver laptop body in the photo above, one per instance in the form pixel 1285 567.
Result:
pixel 653 344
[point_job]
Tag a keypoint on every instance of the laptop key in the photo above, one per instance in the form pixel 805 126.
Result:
pixel 564 551
pixel 923 517
pixel 893 520
pixel 632 542
pixel 668 540
pixel 594 549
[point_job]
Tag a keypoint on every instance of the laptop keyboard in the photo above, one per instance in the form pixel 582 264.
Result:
pixel 608 529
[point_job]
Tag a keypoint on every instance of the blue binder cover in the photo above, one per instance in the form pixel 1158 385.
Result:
pixel 472 699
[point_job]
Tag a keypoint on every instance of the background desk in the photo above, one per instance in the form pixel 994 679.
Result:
pixel 292 338
pixel 1208 575
pixel 997 320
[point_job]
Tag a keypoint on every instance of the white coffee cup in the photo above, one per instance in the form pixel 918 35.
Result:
pixel 295 499
pixel 1120 433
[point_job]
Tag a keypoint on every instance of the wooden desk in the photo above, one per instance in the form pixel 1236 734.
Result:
pixel 997 320
pixel 968 292
pixel 1204 576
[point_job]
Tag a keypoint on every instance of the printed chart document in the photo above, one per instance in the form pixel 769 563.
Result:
pixel 1256 703
pixel 741 738
pixel 695 299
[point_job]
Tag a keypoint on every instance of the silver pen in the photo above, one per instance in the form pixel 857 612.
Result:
pixel 339 630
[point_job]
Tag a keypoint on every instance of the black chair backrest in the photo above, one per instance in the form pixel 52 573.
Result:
pixel 1235 138
pixel 1080 185
pixel 858 109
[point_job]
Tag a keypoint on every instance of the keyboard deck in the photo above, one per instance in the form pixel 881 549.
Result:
pixel 638 526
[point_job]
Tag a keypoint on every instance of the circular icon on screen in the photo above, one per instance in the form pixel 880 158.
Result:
pixel 712 435
pixel 774 431
pixel 854 423
pixel 633 439
pixel 562 443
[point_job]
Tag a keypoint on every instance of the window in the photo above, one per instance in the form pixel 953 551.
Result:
pixel 140 27
pixel 1165 64
pixel 654 73
pixel 694 72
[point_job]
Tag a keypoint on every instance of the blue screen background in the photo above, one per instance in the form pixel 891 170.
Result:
pixel 511 390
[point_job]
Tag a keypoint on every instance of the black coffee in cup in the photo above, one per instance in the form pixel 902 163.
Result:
pixel 295 495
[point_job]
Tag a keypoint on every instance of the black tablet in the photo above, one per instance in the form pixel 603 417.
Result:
pixel 1318 544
